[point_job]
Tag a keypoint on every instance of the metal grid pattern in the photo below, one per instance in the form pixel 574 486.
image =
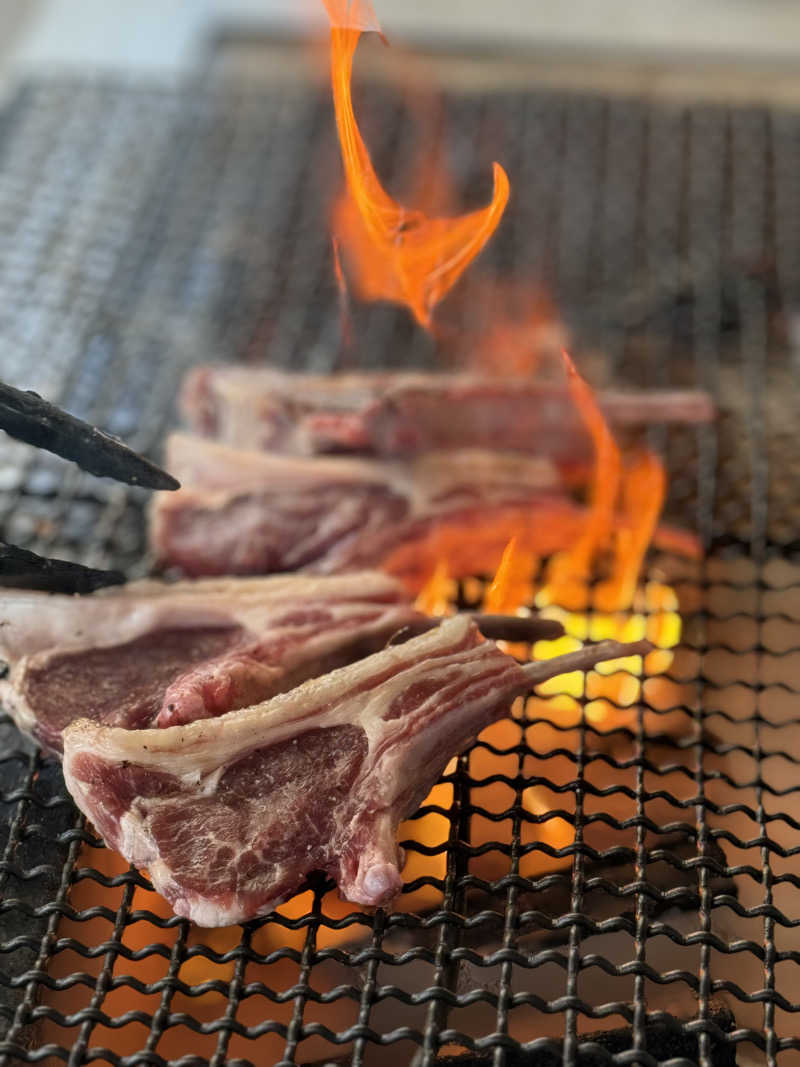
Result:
pixel 146 228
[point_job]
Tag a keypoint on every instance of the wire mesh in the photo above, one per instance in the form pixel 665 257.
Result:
pixel 648 911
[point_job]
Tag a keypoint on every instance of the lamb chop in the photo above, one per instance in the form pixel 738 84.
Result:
pixel 256 513
pixel 399 414
pixel 230 815
pixel 158 654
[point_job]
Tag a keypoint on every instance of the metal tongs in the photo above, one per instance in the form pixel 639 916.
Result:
pixel 27 417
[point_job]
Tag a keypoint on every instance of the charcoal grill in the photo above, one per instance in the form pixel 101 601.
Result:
pixel 148 227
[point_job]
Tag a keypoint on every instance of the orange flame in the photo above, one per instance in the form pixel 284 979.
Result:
pixel 569 570
pixel 643 492
pixel 562 530
pixel 393 252
pixel 344 302
pixel 512 586
pixel 620 607
pixel 437 595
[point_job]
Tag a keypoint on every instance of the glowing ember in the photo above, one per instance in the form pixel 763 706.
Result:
pixel 393 252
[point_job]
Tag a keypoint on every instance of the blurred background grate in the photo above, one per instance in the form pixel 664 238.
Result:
pixel 146 227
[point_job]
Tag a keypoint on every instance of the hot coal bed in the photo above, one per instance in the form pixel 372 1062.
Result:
pixel 147 228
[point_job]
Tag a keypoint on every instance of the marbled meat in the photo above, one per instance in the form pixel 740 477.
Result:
pixel 230 815
pixel 257 513
pixel 250 512
pixel 158 654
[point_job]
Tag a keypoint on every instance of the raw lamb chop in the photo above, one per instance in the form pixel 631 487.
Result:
pixel 230 815
pixel 160 654
pixel 256 513
pixel 399 414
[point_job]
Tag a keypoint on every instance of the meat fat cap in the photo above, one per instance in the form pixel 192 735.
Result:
pixel 199 748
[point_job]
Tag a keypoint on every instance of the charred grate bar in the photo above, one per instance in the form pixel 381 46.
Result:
pixel 150 227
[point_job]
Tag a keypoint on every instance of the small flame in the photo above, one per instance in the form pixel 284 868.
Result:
pixel 643 492
pixel 569 570
pixel 512 586
pixel 437 595
pixel 393 252
pixel 511 589
pixel 344 298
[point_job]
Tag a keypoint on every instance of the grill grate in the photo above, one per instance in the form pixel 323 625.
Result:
pixel 150 227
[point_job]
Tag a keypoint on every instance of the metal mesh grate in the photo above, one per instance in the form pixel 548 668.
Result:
pixel 146 228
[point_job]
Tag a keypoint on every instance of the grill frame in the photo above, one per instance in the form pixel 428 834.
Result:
pixel 157 287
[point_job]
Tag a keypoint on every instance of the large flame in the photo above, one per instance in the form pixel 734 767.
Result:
pixel 394 252
pixel 626 501
pixel 619 607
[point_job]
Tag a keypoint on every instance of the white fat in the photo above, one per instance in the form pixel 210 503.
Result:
pixel 135 842
pixel 13 703
pixel 208 913
pixel 55 625
pixel 207 786
pixel 202 747
pixel 200 463
pixel 212 472
pixel 37 622
pixel 205 912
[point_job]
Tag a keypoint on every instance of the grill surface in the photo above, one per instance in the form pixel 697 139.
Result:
pixel 147 228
